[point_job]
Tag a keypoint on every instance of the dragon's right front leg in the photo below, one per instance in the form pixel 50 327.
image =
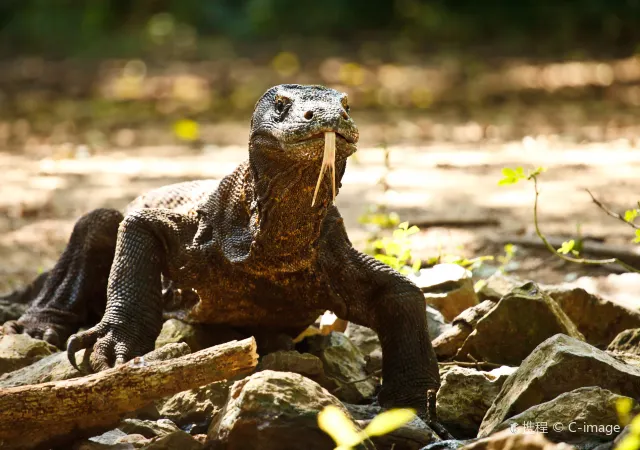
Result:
pixel 149 241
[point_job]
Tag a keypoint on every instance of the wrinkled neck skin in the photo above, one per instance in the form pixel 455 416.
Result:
pixel 283 222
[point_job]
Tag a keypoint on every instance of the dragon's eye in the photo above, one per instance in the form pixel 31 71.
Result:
pixel 279 106
pixel 345 104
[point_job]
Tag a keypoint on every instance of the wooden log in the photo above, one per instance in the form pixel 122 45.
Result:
pixel 53 414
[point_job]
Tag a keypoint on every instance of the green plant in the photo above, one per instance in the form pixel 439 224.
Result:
pixel 572 246
pixel 395 251
pixel 345 433
pixel 632 440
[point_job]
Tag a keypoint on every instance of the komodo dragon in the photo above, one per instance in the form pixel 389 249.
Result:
pixel 254 249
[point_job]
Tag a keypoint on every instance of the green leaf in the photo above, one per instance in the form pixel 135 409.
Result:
pixel 637 238
pixel 536 172
pixel 388 421
pixel 630 442
pixel 336 424
pixel 630 215
pixel 415 267
pixel 567 246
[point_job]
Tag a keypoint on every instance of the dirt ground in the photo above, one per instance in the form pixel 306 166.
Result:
pixel 44 190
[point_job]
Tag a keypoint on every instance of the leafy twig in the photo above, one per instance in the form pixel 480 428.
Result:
pixel 614 214
pixel 565 257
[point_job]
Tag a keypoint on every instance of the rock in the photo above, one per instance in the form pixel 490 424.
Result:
pixel 291 361
pixel 448 288
pixel 137 440
pixel 599 320
pixel 343 364
pixel 197 337
pixel 450 444
pixel 465 395
pixel 110 440
pixel 589 411
pixel 449 342
pixel 55 367
pixel 176 440
pixel 11 311
pixel 148 428
pixel 628 341
pixel 20 350
pixel 274 410
pixel 519 322
pixel 558 365
pixel 413 435
pixel 621 289
pixel 523 441
pixel 197 406
pixel 436 323
pixel 498 285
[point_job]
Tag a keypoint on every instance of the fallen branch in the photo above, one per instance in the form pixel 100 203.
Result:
pixel 630 255
pixel 53 414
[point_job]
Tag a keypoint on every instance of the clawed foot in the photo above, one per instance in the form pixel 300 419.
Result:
pixel 51 332
pixel 111 345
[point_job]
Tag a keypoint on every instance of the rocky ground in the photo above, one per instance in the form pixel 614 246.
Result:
pixel 522 365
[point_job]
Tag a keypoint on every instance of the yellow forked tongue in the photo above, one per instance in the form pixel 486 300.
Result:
pixel 328 161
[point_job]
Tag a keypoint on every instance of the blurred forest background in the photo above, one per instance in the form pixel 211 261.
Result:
pixel 103 99
pixel 92 66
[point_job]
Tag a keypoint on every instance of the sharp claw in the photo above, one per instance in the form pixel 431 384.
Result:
pixel 73 345
pixel 79 341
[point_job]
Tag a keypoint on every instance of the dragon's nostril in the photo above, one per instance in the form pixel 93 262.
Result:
pixel 308 115
pixel 345 116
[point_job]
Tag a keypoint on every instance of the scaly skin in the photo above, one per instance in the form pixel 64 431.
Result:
pixel 254 250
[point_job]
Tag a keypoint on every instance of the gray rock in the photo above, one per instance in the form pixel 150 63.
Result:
pixel 589 411
pixel 20 350
pixel 362 337
pixel 449 342
pixel 448 288
pixel 598 319
pixel 519 322
pixel 148 428
pixel 411 436
pixel 558 365
pixel 55 367
pixel 628 341
pixel 274 410
pixel 196 405
pixel 436 323
pixel 197 337
pixel 291 361
pixel 465 395
pixel 498 285
pixel 344 365
pixel 111 440
pixel 506 439
pixel 176 440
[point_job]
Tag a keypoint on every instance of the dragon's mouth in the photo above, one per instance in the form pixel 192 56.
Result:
pixel 328 162
pixel 322 135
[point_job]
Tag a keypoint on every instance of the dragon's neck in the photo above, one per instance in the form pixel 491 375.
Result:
pixel 283 221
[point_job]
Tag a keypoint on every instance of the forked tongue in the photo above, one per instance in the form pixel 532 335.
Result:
pixel 328 161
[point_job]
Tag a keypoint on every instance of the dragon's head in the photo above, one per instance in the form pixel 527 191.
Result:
pixel 304 124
